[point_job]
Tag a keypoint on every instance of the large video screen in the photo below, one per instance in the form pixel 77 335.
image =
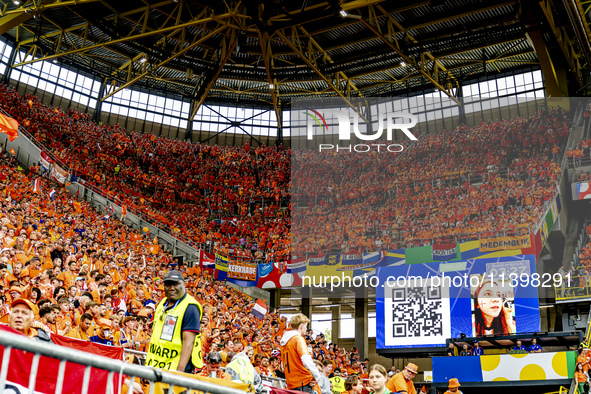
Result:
pixel 422 305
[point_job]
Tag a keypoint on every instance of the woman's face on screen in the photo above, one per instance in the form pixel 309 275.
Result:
pixel 490 300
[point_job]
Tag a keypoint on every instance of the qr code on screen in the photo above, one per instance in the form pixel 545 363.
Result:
pixel 417 312
pixel 416 315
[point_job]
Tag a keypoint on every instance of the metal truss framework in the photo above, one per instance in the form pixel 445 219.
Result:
pixel 204 54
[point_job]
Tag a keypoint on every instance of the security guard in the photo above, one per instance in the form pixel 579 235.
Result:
pixel 176 341
pixel 338 383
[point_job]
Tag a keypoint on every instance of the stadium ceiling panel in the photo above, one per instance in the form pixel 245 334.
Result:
pixel 269 52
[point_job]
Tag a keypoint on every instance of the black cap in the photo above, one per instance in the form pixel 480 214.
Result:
pixel 173 276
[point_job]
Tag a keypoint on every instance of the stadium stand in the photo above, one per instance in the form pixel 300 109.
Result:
pixel 199 192
pixel 102 267
pixel 188 115
pixel 452 186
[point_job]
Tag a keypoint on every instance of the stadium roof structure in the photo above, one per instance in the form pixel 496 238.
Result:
pixel 269 52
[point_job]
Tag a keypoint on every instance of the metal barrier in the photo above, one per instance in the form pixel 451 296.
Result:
pixel 275 381
pixel 573 288
pixel 129 352
pixel 14 341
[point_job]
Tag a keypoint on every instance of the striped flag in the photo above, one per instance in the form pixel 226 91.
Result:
pixel 37 185
pixel 445 252
pixel 52 195
pixel 260 309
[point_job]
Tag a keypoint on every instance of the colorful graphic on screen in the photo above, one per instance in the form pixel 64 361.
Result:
pixel 422 305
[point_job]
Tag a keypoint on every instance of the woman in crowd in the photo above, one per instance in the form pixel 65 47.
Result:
pixel 581 378
pixel 490 314
pixel 377 379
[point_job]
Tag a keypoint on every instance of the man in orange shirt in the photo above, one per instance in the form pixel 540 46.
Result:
pixel 300 372
pixel 402 381
pixel 263 367
pixel 81 332
pixel 21 319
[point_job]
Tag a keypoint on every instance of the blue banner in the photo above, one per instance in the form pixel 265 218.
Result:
pixel 265 269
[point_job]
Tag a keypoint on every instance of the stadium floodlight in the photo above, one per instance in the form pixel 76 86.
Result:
pixel 271 86
pixel 403 63
pixel 345 14
pixel 16 2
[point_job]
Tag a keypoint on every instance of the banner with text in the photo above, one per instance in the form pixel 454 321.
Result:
pixel 242 270
pixel 505 243
pixel 58 174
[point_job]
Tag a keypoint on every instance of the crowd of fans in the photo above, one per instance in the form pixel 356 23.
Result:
pixel 95 279
pixel 577 278
pixel 203 193
pixel 474 182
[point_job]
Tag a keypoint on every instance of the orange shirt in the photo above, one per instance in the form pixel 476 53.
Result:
pixel 77 333
pixel 399 384
pixel 580 377
pixel 583 360
pixel 297 375
pixel 61 321
pixel 68 278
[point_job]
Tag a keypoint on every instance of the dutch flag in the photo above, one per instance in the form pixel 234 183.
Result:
pixel 52 195
pixel 37 185
pixel 260 309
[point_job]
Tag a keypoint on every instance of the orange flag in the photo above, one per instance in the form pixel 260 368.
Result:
pixel 13 152
pixel 77 206
pixel 154 249
pixel 9 127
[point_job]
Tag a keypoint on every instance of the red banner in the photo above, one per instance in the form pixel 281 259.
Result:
pixel 113 352
pixel 20 368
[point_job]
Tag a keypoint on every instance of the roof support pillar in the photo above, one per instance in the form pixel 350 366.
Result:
pixel 553 68
pixel 8 71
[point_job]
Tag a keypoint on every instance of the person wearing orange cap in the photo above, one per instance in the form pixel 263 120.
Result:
pixel 15 292
pixel 453 387
pixel 402 381
pixel 104 333
pixel 21 319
